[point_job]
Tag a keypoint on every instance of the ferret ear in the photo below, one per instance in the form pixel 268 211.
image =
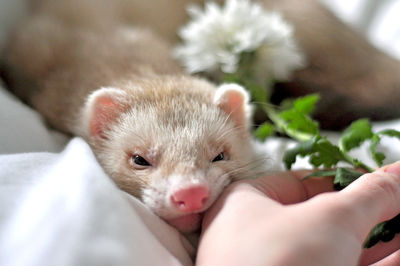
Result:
pixel 103 107
pixel 234 100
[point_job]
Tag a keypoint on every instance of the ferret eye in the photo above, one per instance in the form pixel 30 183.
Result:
pixel 219 157
pixel 139 160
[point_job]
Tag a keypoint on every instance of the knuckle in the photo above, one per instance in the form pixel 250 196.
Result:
pixel 383 185
pixel 335 208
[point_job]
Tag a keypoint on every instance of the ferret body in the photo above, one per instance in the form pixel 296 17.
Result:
pixel 172 140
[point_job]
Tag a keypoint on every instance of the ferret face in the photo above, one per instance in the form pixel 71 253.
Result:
pixel 176 152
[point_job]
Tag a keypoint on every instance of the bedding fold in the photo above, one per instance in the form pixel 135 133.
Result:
pixel 62 209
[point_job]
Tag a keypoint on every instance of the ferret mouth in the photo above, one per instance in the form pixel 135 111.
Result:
pixel 187 223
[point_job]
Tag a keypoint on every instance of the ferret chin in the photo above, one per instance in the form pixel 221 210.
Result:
pixel 172 140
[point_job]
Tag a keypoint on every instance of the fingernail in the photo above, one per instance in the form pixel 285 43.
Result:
pixel 393 169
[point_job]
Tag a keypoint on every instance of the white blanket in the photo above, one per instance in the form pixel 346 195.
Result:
pixel 62 209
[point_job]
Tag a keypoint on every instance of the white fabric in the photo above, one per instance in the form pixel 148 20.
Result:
pixel 23 130
pixel 61 209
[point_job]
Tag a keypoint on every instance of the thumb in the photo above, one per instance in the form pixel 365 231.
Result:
pixel 371 199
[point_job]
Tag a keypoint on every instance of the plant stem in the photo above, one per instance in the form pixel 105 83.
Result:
pixel 357 163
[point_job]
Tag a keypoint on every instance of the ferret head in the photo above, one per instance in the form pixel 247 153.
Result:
pixel 174 145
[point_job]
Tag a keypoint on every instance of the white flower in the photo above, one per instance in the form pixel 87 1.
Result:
pixel 216 37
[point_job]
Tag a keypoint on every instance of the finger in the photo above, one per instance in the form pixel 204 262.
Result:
pixel 369 200
pixel 380 251
pixel 289 187
pixel 393 259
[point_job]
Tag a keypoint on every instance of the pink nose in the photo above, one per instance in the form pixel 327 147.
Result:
pixel 190 199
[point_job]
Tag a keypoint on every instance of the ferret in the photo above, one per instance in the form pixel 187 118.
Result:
pixel 172 140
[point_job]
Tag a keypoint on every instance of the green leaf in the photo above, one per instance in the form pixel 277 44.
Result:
pixel 264 131
pixel 306 104
pixel 326 154
pixel 390 133
pixel 301 149
pixel 358 132
pixel 321 151
pixel 384 231
pixel 374 235
pixel 299 121
pixel 322 173
pixel 345 177
pixel 297 117
pixel 377 156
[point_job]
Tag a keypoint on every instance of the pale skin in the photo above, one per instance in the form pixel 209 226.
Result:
pixel 281 220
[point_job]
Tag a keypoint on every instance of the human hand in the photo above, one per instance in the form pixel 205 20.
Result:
pixel 279 220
